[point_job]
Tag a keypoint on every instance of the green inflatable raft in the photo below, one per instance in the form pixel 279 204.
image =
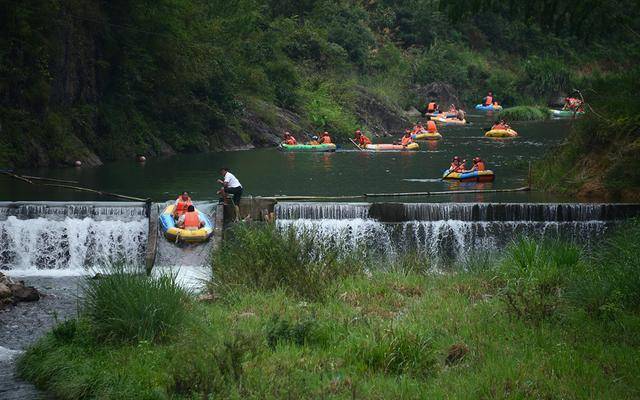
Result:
pixel 308 147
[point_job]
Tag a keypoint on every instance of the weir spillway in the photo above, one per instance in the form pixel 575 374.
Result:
pixel 447 230
pixel 73 237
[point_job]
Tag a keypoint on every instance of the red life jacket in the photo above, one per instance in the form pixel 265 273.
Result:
pixel 191 220
pixel 431 107
pixel 480 166
pixel 488 101
pixel 325 139
pixel 182 205
pixel 291 140
pixel 431 127
pixel 364 140
pixel 406 140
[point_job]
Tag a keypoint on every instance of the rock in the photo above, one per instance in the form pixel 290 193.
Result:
pixel 443 93
pixel 24 293
pixel 456 353
pixel 5 291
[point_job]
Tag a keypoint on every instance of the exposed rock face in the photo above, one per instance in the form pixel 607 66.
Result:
pixel 443 93
pixel 378 116
pixel 12 293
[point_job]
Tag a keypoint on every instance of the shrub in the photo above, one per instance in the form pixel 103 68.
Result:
pixel 532 277
pixel 525 113
pixel 281 330
pixel 262 257
pixel 127 307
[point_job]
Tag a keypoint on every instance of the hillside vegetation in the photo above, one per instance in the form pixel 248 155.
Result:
pixel 96 80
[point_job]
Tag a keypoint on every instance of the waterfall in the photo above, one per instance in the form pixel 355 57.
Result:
pixel 71 237
pixel 447 230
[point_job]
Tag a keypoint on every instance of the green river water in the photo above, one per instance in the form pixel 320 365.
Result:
pixel 266 172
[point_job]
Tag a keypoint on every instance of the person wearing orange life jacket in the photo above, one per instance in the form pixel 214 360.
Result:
pixel 361 139
pixel 501 126
pixel 182 203
pixel 457 165
pixel 289 139
pixel 432 107
pixel 417 128
pixel 488 100
pixel 432 127
pixel 325 138
pixel 478 165
pixel 190 220
pixel 406 139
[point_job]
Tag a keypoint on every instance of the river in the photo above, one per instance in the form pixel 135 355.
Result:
pixel 348 171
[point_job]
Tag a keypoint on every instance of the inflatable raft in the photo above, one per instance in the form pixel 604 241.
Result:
pixel 391 147
pixel 491 107
pixel 565 113
pixel 308 147
pixel 427 136
pixel 501 133
pixel 173 233
pixel 449 121
pixel 473 176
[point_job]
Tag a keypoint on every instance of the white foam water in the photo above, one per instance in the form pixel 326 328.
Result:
pixel 8 354
pixel 41 245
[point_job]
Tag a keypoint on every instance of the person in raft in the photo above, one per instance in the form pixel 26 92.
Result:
pixel 501 126
pixel 418 128
pixel 406 139
pixel 460 114
pixel 314 141
pixel 190 220
pixel 453 111
pixel 182 203
pixel 432 127
pixel 289 139
pixel 488 99
pixel 573 104
pixel 478 165
pixel 325 138
pixel 230 185
pixel 362 139
pixel 457 165
pixel 432 107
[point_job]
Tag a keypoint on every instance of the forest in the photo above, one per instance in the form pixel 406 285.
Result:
pixel 100 81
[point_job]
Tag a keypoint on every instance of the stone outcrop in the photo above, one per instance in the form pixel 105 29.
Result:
pixel 12 292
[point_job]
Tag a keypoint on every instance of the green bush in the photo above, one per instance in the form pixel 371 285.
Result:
pixel 525 113
pixel 265 258
pixel 126 307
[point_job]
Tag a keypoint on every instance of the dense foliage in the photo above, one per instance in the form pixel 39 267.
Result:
pixel 82 78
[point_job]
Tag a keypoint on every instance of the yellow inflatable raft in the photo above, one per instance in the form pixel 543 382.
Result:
pixel 427 136
pixel 501 133
pixel 173 233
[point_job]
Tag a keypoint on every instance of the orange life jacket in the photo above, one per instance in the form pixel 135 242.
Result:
pixel 364 140
pixel 480 166
pixel 291 140
pixel 325 140
pixel 431 107
pixel 182 205
pixel 488 100
pixel 191 220
pixel 406 140
pixel 460 168
pixel 431 127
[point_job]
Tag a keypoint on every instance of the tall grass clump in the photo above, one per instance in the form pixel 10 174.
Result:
pixel 128 307
pixel 262 257
pixel 610 282
pixel 532 277
pixel 525 113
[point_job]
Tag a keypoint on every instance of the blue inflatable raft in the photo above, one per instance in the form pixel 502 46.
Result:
pixel 491 107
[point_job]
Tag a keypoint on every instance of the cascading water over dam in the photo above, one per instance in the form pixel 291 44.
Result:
pixel 71 237
pixel 447 230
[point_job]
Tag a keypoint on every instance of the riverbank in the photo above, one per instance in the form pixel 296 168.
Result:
pixel 279 321
pixel 23 324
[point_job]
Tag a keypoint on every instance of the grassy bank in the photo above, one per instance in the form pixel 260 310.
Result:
pixel 542 321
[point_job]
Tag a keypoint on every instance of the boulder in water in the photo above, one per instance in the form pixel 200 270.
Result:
pixel 5 291
pixel 21 292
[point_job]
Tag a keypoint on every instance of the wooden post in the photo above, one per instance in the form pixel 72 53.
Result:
pixel 152 237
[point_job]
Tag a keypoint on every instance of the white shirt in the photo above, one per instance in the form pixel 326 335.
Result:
pixel 231 181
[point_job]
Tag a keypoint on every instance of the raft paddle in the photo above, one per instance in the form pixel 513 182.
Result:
pixel 356 144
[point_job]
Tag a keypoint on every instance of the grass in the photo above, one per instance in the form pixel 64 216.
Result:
pixel 525 113
pixel 392 333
